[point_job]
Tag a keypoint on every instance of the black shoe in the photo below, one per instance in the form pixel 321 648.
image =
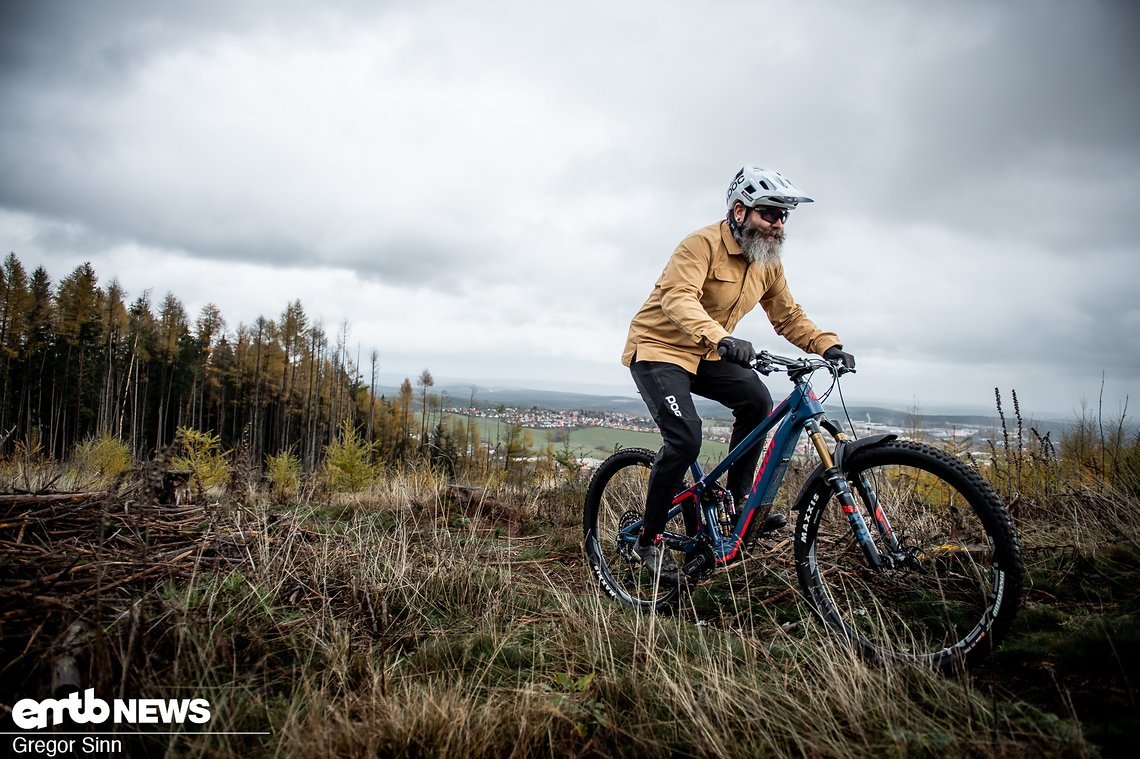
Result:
pixel 658 561
pixel 773 522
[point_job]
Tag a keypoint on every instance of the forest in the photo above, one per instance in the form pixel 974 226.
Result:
pixel 84 360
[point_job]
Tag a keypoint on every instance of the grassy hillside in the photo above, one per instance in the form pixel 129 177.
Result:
pixel 414 617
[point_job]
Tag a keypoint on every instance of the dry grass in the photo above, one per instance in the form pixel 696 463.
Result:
pixel 404 622
pixel 415 619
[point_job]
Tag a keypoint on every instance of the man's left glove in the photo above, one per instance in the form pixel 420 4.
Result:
pixel 736 351
pixel 836 353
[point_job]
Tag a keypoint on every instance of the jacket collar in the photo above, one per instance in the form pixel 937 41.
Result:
pixel 729 241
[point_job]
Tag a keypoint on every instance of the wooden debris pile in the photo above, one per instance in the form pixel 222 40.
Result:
pixel 62 553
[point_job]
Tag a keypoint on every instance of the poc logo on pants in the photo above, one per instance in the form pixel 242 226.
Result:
pixel 672 401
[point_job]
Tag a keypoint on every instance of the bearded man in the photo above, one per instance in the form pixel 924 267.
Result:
pixel 680 342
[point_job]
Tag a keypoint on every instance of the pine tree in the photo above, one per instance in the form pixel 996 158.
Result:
pixel 15 305
pixel 144 340
pixel 425 381
pixel 208 329
pixel 78 303
pixel 173 347
pixel 114 326
pixel 32 416
pixel 405 416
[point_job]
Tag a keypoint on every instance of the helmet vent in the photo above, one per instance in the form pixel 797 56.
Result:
pixel 765 185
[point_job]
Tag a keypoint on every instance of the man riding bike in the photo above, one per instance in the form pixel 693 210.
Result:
pixel 677 340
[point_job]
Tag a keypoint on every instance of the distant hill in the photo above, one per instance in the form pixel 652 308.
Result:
pixel 519 397
pixel 515 397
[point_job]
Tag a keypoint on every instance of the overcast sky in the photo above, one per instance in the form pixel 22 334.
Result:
pixel 490 189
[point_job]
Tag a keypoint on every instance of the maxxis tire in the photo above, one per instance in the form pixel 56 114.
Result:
pixel 618 487
pixel 965 575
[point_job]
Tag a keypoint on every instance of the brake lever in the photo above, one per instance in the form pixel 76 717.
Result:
pixel 763 364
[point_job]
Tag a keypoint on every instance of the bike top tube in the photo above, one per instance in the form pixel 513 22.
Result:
pixel 796 410
pixel 797 370
pixel 790 418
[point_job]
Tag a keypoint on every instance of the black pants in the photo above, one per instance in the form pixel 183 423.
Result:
pixel 667 390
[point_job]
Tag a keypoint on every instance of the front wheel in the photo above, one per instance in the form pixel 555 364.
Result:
pixel 615 500
pixel 952 581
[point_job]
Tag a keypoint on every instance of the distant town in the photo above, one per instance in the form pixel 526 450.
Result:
pixel 555 419
pixel 974 438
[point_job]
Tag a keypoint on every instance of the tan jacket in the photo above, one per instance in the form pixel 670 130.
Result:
pixel 705 290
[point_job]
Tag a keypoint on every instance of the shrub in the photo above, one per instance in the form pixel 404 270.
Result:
pixel 202 455
pixel 101 459
pixel 348 461
pixel 284 474
pixel 1102 452
pixel 30 468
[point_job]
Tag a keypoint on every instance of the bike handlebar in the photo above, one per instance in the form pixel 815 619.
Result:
pixel 766 363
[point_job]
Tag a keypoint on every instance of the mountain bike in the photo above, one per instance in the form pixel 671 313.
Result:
pixel 937 582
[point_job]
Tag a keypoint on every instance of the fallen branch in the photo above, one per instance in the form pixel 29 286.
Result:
pixel 32 499
pixel 67 553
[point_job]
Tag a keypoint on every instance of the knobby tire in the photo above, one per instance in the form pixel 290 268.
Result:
pixel 616 493
pixel 954 587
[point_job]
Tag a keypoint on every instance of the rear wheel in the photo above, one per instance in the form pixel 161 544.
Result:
pixel 614 501
pixel 951 589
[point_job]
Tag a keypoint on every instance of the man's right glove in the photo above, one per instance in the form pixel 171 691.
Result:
pixel 836 353
pixel 736 350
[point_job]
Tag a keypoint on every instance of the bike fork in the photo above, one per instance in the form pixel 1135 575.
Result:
pixel 871 497
pixel 842 490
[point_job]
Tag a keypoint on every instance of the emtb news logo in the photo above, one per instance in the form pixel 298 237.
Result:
pixel 29 714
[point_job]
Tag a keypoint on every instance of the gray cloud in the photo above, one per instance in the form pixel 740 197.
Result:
pixel 974 163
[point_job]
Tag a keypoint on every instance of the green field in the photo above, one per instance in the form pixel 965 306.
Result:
pixel 593 442
pixel 599 442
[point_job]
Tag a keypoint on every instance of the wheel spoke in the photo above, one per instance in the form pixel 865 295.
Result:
pixel 935 595
pixel 615 501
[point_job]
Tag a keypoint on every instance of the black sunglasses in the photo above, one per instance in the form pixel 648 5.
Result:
pixel 771 215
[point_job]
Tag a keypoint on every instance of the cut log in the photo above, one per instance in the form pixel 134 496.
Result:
pixel 42 499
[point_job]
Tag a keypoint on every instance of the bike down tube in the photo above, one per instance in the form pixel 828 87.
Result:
pixel 797 407
pixel 701 481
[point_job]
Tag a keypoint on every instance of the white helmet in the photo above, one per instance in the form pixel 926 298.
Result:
pixel 757 186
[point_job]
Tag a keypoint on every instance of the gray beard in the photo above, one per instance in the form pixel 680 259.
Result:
pixel 760 249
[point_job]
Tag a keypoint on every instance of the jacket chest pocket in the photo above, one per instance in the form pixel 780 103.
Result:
pixel 723 288
pixel 726 271
pixel 725 284
pixel 751 290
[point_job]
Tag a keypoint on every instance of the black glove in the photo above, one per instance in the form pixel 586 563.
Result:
pixel 736 350
pixel 836 353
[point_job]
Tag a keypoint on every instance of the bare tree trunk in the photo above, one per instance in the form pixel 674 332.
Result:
pixel 372 396
pixel 257 387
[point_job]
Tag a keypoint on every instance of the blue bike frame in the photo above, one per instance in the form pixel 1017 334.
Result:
pixel 799 412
